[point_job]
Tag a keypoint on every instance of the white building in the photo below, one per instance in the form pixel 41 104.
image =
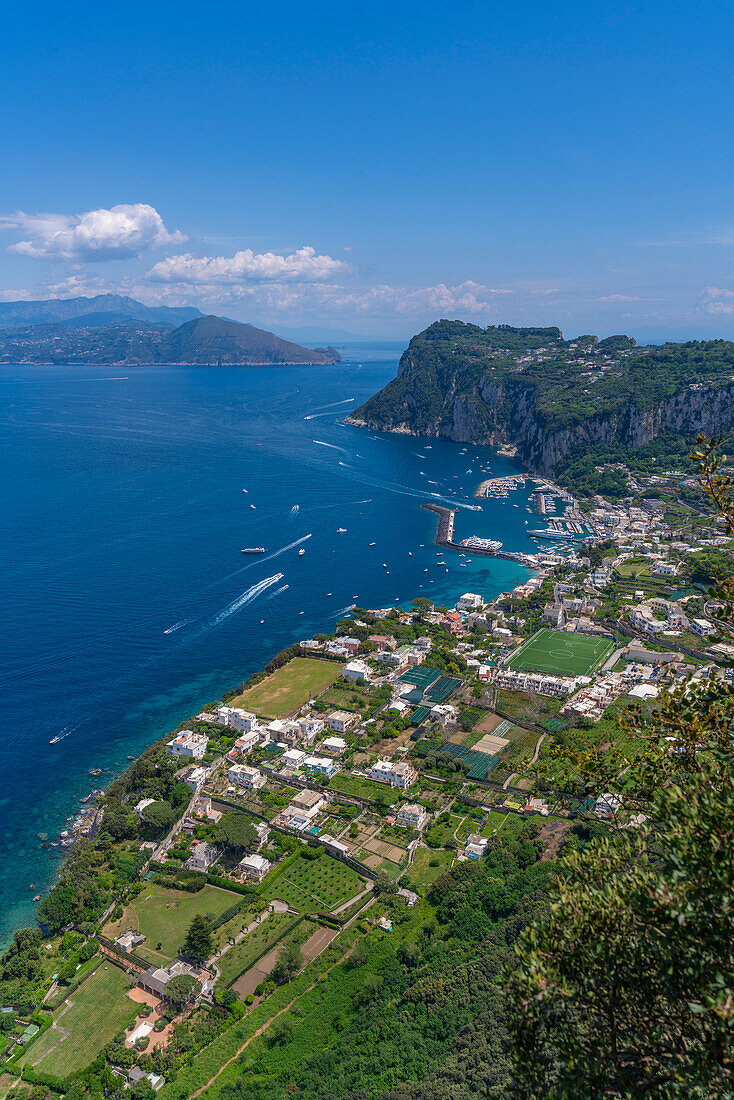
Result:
pixel 340 721
pixel 411 816
pixel 243 776
pixel 334 744
pixel 476 846
pixel 311 728
pixel 702 627
pixel 665 568
pixel 356 670
pixel 401 775
pixel 254 867
pixel 195 778
pixel 140 807
pixel 248 741
pixel 319 765
pixel 188 745
pixel 202 857
pixel 294 758
pixel 470 601
pixel 607 804
pixel 238 719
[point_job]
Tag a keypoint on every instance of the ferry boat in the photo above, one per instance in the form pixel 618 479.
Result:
pixel 253 550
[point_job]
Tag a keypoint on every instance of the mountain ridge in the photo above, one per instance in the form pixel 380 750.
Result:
pixel 553 398
pixel 107 331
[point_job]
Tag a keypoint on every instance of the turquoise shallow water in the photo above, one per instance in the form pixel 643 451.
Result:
pixel 123 519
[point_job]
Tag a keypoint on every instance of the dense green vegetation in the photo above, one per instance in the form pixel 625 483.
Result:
pixel 418 1013
pixel 524 385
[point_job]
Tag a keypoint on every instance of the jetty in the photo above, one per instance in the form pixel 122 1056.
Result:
pixel 445 538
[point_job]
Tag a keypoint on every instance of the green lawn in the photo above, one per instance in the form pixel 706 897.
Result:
pixel 365 788
pixel 560 653
pixel 289 687
pixel 241 957
pixel 98 1010
pixel 312 884
pixel 163 916
pixel 427 866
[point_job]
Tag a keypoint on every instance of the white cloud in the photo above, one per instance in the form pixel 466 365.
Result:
pixel 618 298
pixel 122 232
pixel 303 265
pixel 717 301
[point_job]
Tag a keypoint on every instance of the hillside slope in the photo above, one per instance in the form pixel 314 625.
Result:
pixel 553 398
pixel 205 341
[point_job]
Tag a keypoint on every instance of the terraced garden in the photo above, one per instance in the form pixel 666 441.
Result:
pixel 309 885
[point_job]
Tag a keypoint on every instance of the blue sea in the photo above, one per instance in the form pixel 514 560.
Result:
pixel 125 601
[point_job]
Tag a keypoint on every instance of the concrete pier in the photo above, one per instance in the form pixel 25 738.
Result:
pixel 445 538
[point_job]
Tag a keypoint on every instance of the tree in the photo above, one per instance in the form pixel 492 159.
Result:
pixel 237 831
pixel 159 815
pixel 627 988
pixel 198 944
pixel 183 988
pixel 289 963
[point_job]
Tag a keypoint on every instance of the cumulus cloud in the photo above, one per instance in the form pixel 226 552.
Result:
pixel 122 232
pixel 717 301
pixel 303 265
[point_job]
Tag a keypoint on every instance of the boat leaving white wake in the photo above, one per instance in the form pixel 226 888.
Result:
pixel 177 626
pixel 244 598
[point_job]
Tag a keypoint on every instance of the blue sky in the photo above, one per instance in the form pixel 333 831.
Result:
pixel 373 167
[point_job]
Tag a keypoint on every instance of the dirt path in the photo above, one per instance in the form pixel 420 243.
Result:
pixel 266 1025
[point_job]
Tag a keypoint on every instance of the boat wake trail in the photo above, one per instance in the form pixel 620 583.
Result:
pixel 177 626
pixel 243 599
pixel 332 445
pixel 333 405
pixel 278 592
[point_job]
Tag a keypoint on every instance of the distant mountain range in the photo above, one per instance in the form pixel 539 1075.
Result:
pixel 112 329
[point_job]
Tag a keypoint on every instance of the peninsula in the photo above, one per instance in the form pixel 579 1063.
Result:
pixel 112 330
pixel 582 411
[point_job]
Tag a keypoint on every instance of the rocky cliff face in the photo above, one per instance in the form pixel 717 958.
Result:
pixel 552 401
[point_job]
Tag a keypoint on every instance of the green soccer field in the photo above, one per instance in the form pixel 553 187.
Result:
pixel 561 654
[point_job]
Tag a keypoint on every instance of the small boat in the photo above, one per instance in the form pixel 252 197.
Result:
pixel 54 740
pixel 329 593
pixel 253 507
pixel 301 552
pixel 384 565
pixel 37 897
pixel 373 544
pixel 341 530
pixel 410 553
pixel 295 509
pixel 253 550
pixel 244 490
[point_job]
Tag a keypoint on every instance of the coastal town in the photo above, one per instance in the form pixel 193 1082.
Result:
pixel 321 802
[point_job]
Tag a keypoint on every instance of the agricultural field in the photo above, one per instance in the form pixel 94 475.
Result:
pixel 239 958
pixel 92 1016
pixel 163 916
pixel 282 693
pixel 309 885
pixel 561 654
pixel 427 866
pixel 365 788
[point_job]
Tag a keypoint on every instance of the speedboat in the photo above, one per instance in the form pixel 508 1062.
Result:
pixel 341 530
pixel 54 740
pixel 244 490
pixel 253 507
